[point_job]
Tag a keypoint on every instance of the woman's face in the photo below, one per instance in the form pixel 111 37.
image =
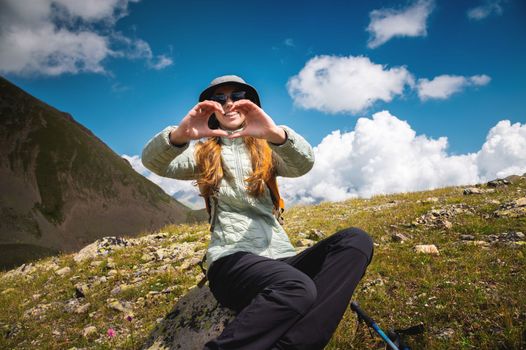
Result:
pixel 229 120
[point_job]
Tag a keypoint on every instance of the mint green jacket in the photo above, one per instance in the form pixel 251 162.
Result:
pixel 240 222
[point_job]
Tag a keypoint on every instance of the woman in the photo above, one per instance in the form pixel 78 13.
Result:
pixel 283 300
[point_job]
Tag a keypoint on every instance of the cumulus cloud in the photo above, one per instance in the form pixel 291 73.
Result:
pixel 53 37
pixel 352 84
pixel 383 155
pixel 443 86
pixel 388 23
pixel 336 84
pixel 504 152
pixel 183 191
pixel 488 8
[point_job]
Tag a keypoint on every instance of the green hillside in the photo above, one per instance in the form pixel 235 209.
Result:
pixel 469 295
pixel 65 150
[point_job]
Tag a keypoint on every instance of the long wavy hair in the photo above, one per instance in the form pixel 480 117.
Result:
pixel 212 171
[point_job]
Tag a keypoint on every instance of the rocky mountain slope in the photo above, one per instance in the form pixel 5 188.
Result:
pixel 453 259
pixel 61 187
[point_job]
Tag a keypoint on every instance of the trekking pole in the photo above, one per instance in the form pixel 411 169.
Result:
pixel 370 322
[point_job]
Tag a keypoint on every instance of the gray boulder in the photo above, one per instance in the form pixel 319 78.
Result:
pixel 195 319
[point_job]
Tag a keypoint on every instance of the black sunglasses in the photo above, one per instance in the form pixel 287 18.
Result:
pixel 235 96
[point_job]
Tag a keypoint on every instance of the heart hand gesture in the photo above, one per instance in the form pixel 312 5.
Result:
pixel 258 123
pixel 195 124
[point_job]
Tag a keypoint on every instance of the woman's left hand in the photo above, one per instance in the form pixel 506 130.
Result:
pixel 258 123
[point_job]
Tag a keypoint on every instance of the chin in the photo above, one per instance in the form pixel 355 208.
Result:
pixel 232 126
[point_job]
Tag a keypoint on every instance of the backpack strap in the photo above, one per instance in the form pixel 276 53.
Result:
pixel 204 279
pixel 279 204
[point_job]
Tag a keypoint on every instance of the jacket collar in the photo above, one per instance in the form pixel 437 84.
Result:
pixel 226 141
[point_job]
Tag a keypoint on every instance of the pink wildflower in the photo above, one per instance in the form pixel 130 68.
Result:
pixel 111 332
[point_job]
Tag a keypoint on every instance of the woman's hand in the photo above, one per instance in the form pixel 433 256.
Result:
pixel 195 124
pixel 258 123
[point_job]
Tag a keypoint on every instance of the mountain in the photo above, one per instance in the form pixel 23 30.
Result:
pixel 452 258
pixel 61 187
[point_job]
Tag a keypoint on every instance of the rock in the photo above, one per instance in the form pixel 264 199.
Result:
pixel 23 270
pixel 511 236
pixel 426 249
pixel 515 208
pixel 498 183
pixel 71 305
pixel 121 288
pixel 304 242
pixel 147 257
pixel 111 264
pixel 473 190
pixel 37 311
pixel 196 318
pixel 446 333
pixel 81 290
pixel 467 237
pixel 478 243
pixel 477 190
pixel 440 217
pixel 430 200
pixel 101 247
pixel 316 235
pixel 369 286
pixel 95 263
pixel 82 309
pixel 122 306
pixel 89 331
pixel 63 271
pixel 398 237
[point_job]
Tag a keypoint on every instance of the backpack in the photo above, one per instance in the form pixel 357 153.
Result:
pixel 277 210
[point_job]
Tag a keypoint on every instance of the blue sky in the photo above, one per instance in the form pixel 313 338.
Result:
pixel 161 54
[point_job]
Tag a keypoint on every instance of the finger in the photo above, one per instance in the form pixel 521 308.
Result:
pixel 206 111
pixel 245 101
pixel 240 108
pixel 238 134
pixel 246 104
pixel 218 132
pixel 214 105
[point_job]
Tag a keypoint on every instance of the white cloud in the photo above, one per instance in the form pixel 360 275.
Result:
pixel 483 11
pixel 388 23
pixel 443 86
pixel 352 84
pixel 504 152
pixel 183 191
pixel 346 84
pixel 53 37
pixel 289 42
pixel 384 155
pixel 161 62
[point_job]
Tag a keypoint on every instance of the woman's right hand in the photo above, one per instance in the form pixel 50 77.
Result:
pixel 195 124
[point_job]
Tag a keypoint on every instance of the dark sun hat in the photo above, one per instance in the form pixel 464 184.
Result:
pixel 251 93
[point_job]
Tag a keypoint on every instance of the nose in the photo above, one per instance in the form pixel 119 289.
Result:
pixel 228 103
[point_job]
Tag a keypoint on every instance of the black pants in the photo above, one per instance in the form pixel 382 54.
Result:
pixel 289 303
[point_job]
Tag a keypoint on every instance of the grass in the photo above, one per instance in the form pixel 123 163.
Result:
pixel 468 297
